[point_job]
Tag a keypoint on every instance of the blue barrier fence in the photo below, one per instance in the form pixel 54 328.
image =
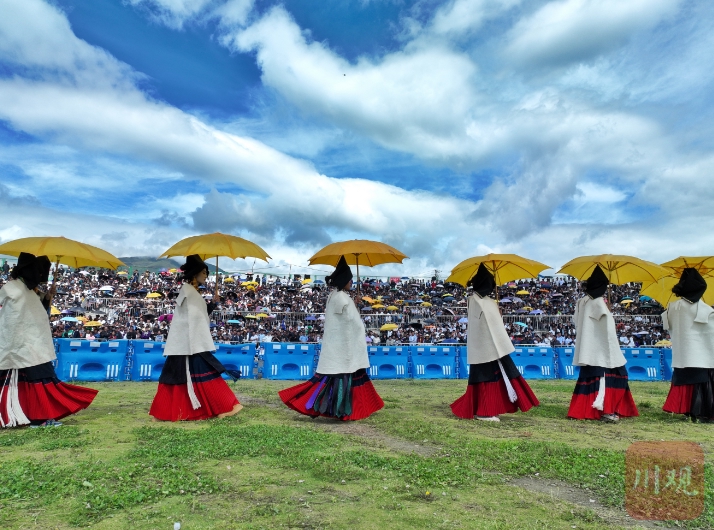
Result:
pixel 142 360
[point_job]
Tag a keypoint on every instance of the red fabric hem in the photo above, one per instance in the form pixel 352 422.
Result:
pixel 679 399
pixel 617 401
pixel 491 399
pixel 49 401
pixel 365 400
pixel 172 403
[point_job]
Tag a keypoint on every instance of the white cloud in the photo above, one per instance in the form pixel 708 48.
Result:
pixel 172 13
pixel 578 30
pixel 466 16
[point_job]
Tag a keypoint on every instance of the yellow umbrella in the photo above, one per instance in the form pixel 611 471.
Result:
pixel 704 264
pixel 400 302
pixel 358 251
pixel 523 292
pixel 62 250
pixel 618 269
pixel 122 273
pixel 663 342
pixel 154 295
pixel 504 267
pixel 250 287
pixel 215 245
pixel 308 280
pixel 392 308
pixel 369 299
pixel 83 319
pixel 261 315
pixel 92 324
pixel 388 327
pixel 173 270
pixel 527 308
pixel 229 280
pixel 377 306
pixel 661 290
pixel 250 316
pixel 54 311
pixel 625 302
pixel 426 304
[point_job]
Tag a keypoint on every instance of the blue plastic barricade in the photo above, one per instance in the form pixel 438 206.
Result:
pixel 148 360
pixel 434 362
pixel 85 360
pixel 388 362
pixel 239 357
pixel 566 370
pixel 462 362
pixel 643 364
pixel 288 361
pixel 667 370
pixel 535 362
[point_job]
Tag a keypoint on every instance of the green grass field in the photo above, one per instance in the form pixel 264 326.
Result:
pixel 411 465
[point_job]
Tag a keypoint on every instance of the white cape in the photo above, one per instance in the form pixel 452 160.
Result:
pixel 487 339
pixel 692 331
pixel 596 343
pixel 190 330
pixel 344 349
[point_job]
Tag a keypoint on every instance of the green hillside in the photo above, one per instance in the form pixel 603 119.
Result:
pixel 145 263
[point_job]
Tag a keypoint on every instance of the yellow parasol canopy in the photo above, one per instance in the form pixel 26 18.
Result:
pixel 663 342
pixel 388 327
pixel 523 292
pixel 392 308
pixel 228 280
pixel 54 311
pixel 306 281
pixel 625 302
pixel 618 269
pixel 261 315
pixel 214 245
pixel 661 290
pixel 122 273
pixel 426 304
pixel 92 324
pixel 377 306
pixel 62 250
pixel 504 267
pixel 369 299
pixel 704 264
pixel 358 252
pixel 83 319
pixel 154 295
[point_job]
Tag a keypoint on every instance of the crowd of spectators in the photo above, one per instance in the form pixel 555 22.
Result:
pixel 259 308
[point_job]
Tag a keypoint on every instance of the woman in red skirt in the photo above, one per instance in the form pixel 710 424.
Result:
pixel 691 325
pixel 30 392
pixel 602 391
pixel 190 385
pixel 495 385
pixel 341 387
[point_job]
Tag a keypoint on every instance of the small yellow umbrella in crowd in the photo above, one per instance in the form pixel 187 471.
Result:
pixel 523 293
pixel 663 342
pixel 426 304
pixel 92 324
pixel 356 252
pixel 392 308
pixel 261 315
pixel 228 280
pixel 154 295
pixel 54 311
pixel 388 327
pixel 377 306
pixel 504 267
pixel 215 245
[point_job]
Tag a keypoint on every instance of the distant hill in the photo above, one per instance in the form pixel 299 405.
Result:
pixel 145 263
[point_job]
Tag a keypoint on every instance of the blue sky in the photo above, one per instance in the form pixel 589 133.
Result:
pixel 547 128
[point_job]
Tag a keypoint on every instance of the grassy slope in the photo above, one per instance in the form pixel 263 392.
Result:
pixel 111 467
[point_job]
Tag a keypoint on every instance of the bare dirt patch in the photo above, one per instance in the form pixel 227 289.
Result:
pixel 566 492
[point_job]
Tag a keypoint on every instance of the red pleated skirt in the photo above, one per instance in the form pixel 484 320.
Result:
pixel 679 399
pixel 46 398
pixel 491 399
pixel 618 398
pixel 365 399
pixel 172 402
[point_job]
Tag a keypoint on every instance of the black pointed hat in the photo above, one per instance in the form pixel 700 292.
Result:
pixel 43 265
pixel 597 284
pixel 26 269
pixel 194 264
pixel 341 275
pixel 483 281
pixel 691 285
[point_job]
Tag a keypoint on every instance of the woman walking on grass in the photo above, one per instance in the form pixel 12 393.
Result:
pixel 495 385
pixel 602 391
pixel 341 387
pixel 30 392
pixel 190 385
pixel 691 326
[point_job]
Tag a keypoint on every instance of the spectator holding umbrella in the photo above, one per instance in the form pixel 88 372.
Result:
pixel 190 385
pixel 341 387
pixel 30 392
pixel 602 391
pixel 691 325
pixel 495 385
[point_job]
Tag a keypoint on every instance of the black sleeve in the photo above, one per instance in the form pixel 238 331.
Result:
pixel 210 307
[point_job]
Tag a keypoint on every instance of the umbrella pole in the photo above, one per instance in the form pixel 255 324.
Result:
pixel 215 294
pixel 357 262
pixel 53 287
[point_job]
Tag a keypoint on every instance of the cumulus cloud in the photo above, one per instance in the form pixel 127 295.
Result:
pixel 460 17
pixel 172 13
pixel 578 30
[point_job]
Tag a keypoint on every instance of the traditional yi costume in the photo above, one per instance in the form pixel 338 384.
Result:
pixel 341 387
pixel 691 326
pixel 495 385
pixel 190 385
pixel 602 391
pixel 30 392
